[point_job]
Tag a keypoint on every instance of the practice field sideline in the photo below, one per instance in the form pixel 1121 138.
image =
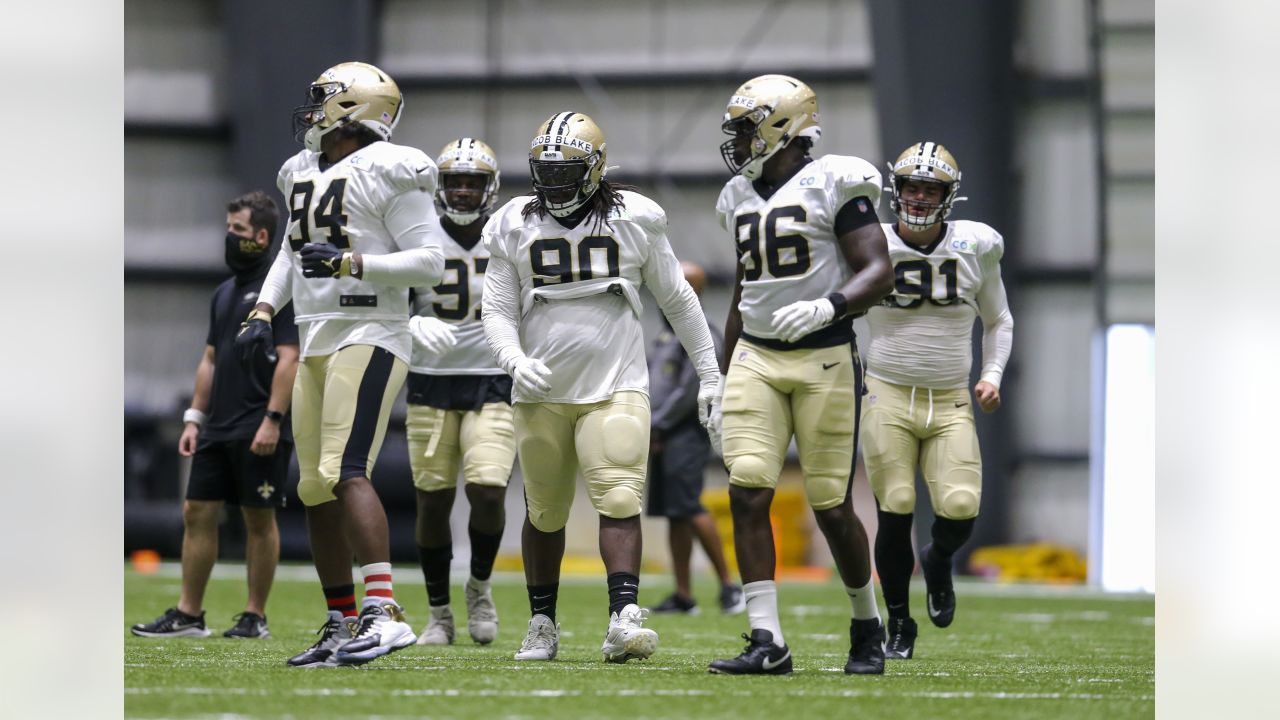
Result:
pixel 1013 652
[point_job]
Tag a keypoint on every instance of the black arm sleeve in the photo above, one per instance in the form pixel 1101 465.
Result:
pixel 856 213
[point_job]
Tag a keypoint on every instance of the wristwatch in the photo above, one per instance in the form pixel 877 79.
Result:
pixel 275 416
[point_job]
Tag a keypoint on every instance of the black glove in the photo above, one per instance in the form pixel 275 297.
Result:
pixel 255 332
pixel 322 260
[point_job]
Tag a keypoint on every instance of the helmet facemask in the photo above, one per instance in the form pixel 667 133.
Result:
pixel 464 196
pixel 565 185
pixel 924 162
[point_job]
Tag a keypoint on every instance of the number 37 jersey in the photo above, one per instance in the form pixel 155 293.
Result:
pixel 787 243
pixel 456 300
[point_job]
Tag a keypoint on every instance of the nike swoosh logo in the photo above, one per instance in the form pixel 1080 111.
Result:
pixel 932 613
pixel 771 665
pixel 961 404
pixel 828 366
pixel 541 597
pixel 867 177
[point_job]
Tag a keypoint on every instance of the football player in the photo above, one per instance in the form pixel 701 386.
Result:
pixel 459 400
pixel 561 311
pixel 918 411
pixel 811 255
pixel 360 210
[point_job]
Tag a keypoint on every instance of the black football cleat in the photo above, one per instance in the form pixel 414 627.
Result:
pixel 760 657
pixel 902 639
pixel 939 592
pixel 866 648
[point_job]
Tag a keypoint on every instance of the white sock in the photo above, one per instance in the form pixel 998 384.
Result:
pixel 762 608
pixel 864 601
pixel 377 583
pixel 438 610
pixel 481 585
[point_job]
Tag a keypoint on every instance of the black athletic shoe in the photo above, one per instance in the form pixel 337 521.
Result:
pixel 759 657
pixel 173 623
pixel 866 651
pixel 941 595
pixel 902 639
pixel 250 626
pixel 335 632
pixel 677 604
pixel 732 601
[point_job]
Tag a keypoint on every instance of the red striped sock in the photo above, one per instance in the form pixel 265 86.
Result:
pixel 377 582
pixel 341 598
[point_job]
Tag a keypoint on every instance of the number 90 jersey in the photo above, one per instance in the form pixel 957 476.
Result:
pixel 579 306
pixel 456 300
pixel 787 244
pixel 921 334
pixel 345 205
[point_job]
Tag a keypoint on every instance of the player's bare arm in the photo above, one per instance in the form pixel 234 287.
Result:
pixel 866 251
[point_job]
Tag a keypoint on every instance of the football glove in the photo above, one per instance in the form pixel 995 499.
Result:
pixel 255 332
pixel 715 417
pixel 322 260
pixel 434 334
pixel 798 319
pixel 530 378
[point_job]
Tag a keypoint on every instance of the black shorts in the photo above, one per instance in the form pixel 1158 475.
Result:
pixel 225 470
pixel 676 474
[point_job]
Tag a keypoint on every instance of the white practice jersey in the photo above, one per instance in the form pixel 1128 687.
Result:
pixel 347 205
pixel 921 334
pixel 787 244
pixel 456 300
pixel 575 295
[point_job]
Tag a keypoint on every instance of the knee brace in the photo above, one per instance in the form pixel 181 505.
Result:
pixel 959 504
pixel 619 503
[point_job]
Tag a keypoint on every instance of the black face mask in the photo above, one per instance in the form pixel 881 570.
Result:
pixel 243 255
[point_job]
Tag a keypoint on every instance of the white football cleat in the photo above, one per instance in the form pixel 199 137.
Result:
pixel 482 615
pixel 626 638
pixel 439 631
pixel 380 630
pixel 543 640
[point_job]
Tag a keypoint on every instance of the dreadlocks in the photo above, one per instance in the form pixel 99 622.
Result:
pixel 606 198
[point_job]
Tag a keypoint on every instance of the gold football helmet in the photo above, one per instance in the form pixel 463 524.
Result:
pixel 773 110
pixel 566 160
pixel 469 180
pixel 925 162
pixel 345 93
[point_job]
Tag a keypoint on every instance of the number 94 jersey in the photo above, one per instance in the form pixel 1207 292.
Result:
pixel 345 205
pixel 921 333
pixel 456 300
pixel 787 243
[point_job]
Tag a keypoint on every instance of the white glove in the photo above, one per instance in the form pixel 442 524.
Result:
pixel 434 334
pixel 715 415
pixel 801 318
pixel 530 377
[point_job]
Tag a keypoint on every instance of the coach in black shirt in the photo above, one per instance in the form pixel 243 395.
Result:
pixel 237 433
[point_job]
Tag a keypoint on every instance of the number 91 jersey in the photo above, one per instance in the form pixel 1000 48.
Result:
pixel 456 300
pixel 344 205
pixel 921 334
pixel 787 244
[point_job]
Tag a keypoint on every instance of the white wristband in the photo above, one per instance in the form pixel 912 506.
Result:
pixel 192 415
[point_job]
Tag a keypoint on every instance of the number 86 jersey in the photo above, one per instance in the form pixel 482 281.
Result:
pixel 787 242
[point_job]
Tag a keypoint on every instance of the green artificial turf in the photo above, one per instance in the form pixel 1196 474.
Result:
pixel 1013 652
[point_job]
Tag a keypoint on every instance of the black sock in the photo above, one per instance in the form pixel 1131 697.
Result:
pixel 435 570
pixel 949 536
pixel 341 598
pixel 542 599
pixel 484 548
pixel 624 589
pixel 895 561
